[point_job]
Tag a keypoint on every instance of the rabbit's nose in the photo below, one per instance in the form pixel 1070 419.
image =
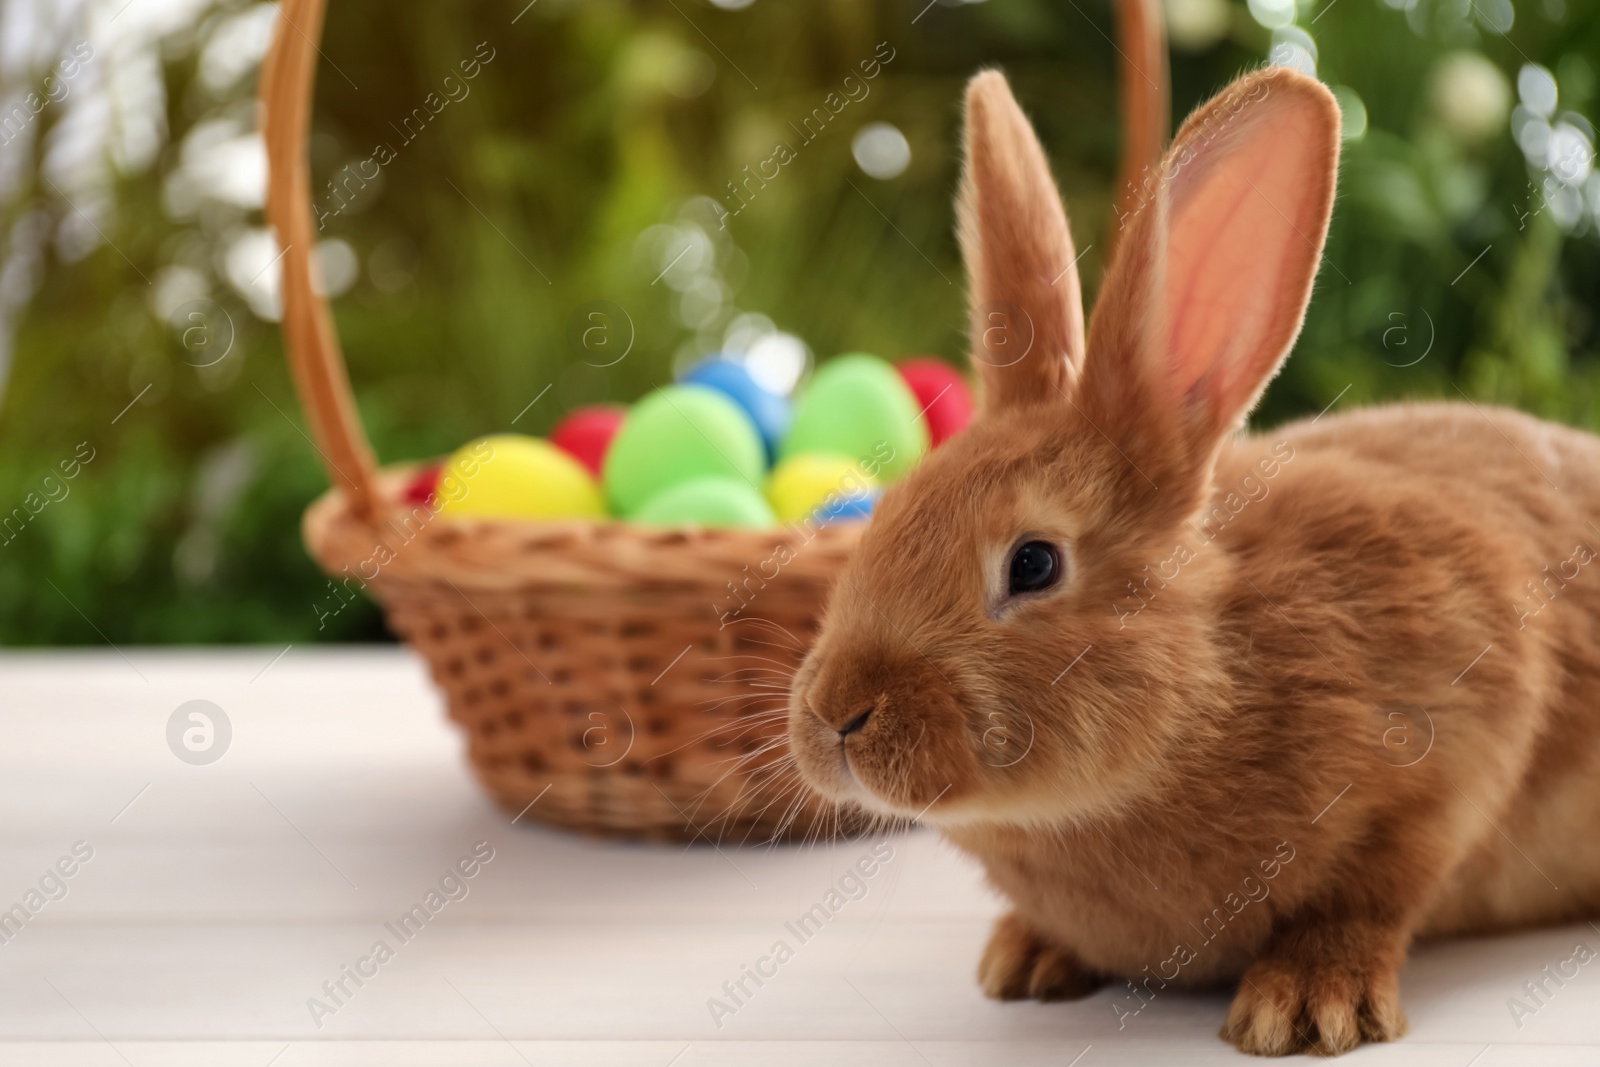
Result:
pixel 855 724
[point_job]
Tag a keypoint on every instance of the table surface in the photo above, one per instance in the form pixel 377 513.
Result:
pixel 218 899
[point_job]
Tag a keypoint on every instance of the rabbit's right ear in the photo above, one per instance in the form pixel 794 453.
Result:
pixel 1022 274
pixel 1213 275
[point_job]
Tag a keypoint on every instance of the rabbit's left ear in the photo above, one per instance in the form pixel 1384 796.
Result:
pixel 1022 274
pixel 1214 272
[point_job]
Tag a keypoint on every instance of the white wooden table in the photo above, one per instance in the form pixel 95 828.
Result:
pixel 219 899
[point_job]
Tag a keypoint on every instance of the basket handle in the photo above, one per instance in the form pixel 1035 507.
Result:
pixel 288 77
pixel 1146 97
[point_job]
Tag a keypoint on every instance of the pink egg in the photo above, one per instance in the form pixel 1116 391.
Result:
pixel 586 433
pixel 942 394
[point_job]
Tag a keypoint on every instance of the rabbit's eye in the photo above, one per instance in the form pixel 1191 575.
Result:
pixel 1034 566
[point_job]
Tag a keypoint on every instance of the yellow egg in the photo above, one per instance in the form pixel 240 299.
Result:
pixel 812 481
pixel 509 476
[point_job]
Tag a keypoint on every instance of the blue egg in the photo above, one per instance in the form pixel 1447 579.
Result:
pixel 769 412
pixel 850 508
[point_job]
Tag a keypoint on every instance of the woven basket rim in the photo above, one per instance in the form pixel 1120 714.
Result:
pixel 424 546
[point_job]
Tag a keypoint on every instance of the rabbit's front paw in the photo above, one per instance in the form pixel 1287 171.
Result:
pixel 1020 964
pixel 1285 1006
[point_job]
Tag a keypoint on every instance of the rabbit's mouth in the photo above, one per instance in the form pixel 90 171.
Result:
pixel 922 753
pixel 887 752
pixel 858 784
pixel 822 754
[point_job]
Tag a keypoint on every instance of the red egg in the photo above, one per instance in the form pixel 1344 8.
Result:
pixel 419 490
pixel 586 434
pixel 942 394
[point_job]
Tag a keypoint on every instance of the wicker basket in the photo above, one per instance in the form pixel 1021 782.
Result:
pixel 600 679
pixel 590 666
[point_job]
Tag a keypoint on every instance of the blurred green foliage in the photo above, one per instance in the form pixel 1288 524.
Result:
pixel 523 202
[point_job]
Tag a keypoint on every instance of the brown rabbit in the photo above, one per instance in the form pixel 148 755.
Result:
pixel 1209 706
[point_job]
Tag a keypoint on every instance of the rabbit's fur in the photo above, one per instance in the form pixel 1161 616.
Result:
pixel 1187 761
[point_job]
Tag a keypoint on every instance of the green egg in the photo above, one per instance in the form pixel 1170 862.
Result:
pixel 859 407
pixel 710 501
pixel 678 434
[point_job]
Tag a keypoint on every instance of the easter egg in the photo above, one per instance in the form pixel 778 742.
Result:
pixel 769 412
pixel 942 396
pixel 708 501
pixel 813 483
pixel 586 433
pixel 850 509
pixel 857 406
pixel 419 490
pixel 515 477
pixel 678 434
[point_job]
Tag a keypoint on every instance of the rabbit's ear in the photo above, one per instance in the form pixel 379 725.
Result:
pixel 1027 308
pixel 1214 272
